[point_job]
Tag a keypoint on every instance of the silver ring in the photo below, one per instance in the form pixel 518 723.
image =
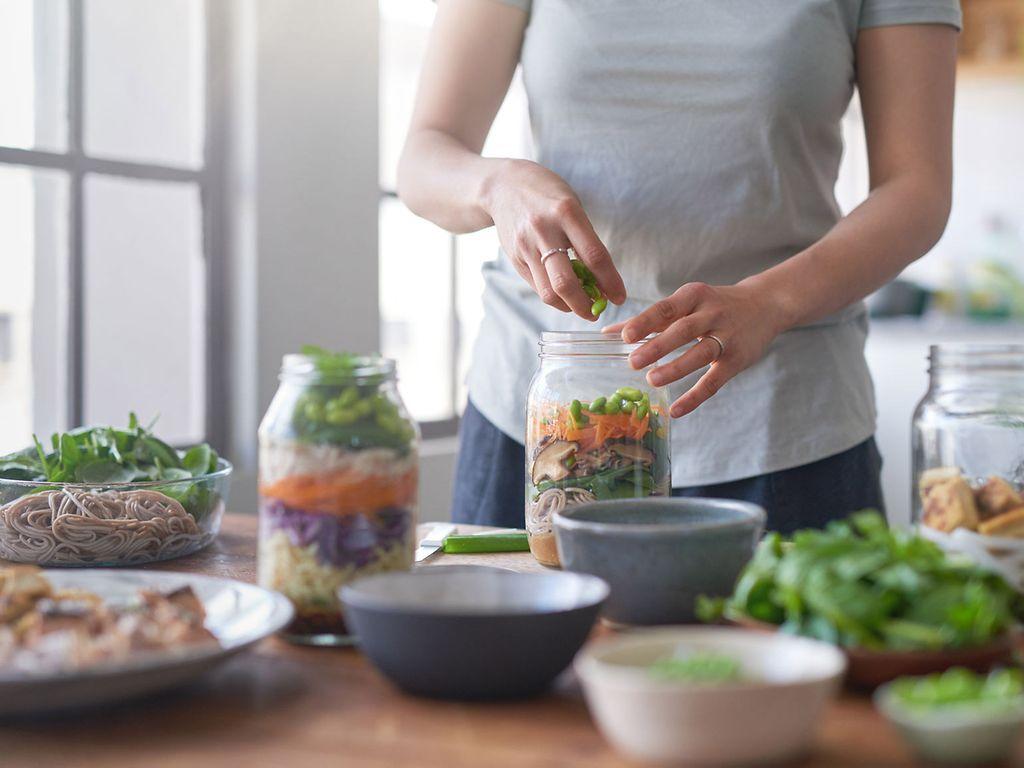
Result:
pixel 721 344
pixel 567 251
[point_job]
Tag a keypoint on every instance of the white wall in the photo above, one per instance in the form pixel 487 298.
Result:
pixel 303 239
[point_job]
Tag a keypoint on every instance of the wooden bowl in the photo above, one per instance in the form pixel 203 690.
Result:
pixel 868 669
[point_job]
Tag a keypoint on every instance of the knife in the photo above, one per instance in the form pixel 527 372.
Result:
pixel 434 540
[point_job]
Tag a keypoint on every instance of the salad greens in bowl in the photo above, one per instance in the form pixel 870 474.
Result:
pixel 958 716
pixel 896 602
pixel 107 496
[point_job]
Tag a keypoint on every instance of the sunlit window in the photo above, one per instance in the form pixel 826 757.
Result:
pixel 430 280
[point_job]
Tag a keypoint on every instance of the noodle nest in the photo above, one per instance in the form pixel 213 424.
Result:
pixel 76 527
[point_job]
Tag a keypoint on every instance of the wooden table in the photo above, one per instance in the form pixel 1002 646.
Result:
pixel 289 706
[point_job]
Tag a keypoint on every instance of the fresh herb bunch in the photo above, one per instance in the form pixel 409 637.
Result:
pixel 858 583
pixel 960 688
pixel 109 456
pixel 346 409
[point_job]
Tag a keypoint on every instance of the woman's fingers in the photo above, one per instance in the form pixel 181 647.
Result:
pixel 661 314
pixel 542 285
pixel 696 357
pixel 706 387
pixel 591 251
pixel 565 283
pixel 679 334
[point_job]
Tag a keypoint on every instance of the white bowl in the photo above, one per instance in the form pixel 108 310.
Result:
pixel 771 715
pixel 967 736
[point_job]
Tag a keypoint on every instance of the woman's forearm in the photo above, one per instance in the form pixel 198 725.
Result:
pixel 442 180
pixel 897 224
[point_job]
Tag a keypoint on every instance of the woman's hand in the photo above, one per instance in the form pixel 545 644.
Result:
pixel 741 316
pixel 535 212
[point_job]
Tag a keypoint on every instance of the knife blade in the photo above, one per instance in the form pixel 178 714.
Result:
pixel 434 540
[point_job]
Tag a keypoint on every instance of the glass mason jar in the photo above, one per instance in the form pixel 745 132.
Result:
pixel 595 429
pixel 338 481
pixel 968 437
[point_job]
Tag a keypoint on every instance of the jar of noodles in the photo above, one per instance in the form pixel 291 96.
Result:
pixel 595 430
pixel 338 481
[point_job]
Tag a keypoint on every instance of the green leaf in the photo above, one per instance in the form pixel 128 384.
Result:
pixel 70 455
pixel 103 471
pixel 197 459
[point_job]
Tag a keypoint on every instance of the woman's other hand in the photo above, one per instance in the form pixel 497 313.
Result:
pixel 535 213
pixel 741 317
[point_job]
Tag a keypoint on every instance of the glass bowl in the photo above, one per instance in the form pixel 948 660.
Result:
pixel 82 524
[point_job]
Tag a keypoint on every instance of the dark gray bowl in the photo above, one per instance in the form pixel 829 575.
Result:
pixel 659 554
pixel 465 635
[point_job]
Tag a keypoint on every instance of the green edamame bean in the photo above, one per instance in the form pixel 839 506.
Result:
pixel 314 411
pixel 348 396
pixel 363 408
pixel 597 406
pixel 341 418
pixel 591 290
pixel 627 406
pixel 642 410
pixel 613 406
pixel 630 393
pixel 576 409
pixel 581 270
pixel 598 307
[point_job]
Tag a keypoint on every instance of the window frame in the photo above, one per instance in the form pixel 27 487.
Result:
pixel 76 163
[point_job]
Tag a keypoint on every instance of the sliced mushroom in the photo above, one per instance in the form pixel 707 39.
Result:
pixel 550 462
pixel 635 453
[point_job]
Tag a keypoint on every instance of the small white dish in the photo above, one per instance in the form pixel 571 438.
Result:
pixel 964 736
pixel 238 614
pixel 770 715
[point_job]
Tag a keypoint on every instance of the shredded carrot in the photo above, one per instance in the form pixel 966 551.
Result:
pixel 599 429
pixel 342 493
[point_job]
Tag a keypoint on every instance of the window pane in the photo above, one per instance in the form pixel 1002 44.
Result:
pixel 415 306
pixel 33 60
pixel 144 80
pixel 33 237
pixel 144 304
pixel 404 27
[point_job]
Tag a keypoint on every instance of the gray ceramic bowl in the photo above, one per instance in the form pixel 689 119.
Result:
pixel 659 554
pixel 465 635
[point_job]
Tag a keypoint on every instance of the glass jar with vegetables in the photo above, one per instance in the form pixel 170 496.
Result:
pixel 968 442
pixel 595 430
pixel 338 484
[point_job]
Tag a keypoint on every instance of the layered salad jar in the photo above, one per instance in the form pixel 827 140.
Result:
pixel 595 430
pixel 338 481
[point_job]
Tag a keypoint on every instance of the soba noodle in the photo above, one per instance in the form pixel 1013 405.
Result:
pixel 555 500
pixel 65 527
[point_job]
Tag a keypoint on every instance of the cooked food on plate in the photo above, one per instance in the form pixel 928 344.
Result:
pixel 859 583
pixel 613 447
pixel 105 496
pixel 43 628
pixel 949 501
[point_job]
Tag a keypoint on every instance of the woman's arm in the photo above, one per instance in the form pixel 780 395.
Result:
pixel 906 77
pixel 473 52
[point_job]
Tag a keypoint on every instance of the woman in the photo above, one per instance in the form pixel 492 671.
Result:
pixel 687 151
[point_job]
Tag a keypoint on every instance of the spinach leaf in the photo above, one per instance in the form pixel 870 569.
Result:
pixel 859 583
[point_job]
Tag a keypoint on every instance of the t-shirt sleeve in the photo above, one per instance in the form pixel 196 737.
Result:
pixel 885 13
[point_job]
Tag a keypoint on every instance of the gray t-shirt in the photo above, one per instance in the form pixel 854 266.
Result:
pixel 703 138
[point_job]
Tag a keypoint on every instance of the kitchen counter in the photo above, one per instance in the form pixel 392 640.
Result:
pixel 284 705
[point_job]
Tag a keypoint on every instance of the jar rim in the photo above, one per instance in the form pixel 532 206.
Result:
pixel 299 367
pixel 968 355
pixel 587 344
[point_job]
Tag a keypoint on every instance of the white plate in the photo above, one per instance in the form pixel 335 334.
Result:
pixel 238 614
